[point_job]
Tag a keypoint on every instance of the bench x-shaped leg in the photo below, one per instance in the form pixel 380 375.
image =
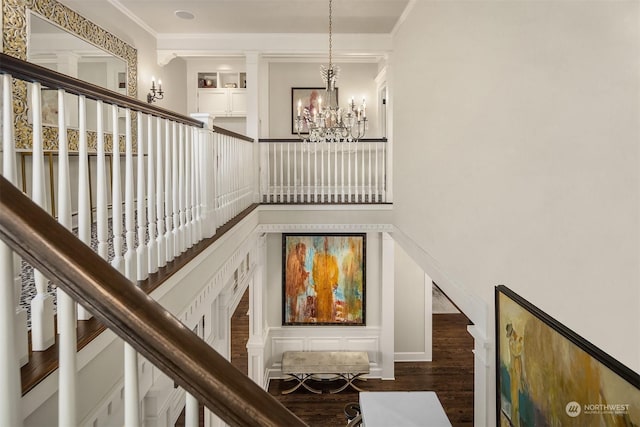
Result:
pixel 349 382
pixel 302 378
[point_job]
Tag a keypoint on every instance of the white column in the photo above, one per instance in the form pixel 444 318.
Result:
pixel 42 327
pixel 181 192
pixel 67 345
pixel 388 322
pixel 10 389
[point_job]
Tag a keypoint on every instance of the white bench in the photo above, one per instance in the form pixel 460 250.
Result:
pixel 305 365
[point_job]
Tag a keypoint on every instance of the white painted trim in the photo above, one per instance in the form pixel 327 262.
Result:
pixel 135 18
pixel 403 17
pixel 471 305
pixel 412 356
pixel 293 208
pixel 287 228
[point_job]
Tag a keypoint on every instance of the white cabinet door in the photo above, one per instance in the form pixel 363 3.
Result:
pixel 238 102
pixel 213 101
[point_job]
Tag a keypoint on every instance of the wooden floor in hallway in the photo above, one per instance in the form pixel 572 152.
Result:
pixel 450 375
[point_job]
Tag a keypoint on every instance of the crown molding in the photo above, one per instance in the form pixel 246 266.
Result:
pixel 327 228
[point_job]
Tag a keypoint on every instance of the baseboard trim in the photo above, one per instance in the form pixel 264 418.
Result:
pixel 415 356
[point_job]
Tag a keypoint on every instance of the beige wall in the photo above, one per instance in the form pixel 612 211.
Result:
pixel 409 300
pixel 355 80
pixel 519 124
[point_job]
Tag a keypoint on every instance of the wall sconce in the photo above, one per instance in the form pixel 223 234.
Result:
pixel 156 93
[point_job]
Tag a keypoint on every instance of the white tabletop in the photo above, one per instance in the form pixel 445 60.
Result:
pixel 402 409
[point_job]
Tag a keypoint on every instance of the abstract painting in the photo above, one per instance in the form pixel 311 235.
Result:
pixel 323 279
pixel 547 375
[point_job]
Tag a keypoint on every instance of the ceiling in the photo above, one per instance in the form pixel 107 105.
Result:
pixel 259 16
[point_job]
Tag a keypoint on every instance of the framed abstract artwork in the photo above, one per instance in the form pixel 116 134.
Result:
pixel 546 374
pixel 323 279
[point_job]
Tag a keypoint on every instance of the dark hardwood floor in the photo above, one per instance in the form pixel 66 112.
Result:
pixel 450 375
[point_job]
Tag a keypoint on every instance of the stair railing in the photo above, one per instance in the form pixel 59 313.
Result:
pixel 180 183
pixel 134 316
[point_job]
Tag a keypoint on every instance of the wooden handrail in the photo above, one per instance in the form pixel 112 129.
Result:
pixel 55 80
pixel 267 140
pixel 134 316
pixel 223 131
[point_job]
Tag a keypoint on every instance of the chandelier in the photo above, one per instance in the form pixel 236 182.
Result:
pixel 322 118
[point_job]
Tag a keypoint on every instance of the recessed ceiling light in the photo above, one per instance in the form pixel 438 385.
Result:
pixel 184 14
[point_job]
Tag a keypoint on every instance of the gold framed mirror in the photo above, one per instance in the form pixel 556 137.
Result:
pixel 15 35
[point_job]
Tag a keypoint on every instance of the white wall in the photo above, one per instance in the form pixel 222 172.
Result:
pixel 519 121
pixel 355 79
pixel 410 309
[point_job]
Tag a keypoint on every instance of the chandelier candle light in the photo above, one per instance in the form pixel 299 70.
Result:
pixel 328 122
pixel 156 93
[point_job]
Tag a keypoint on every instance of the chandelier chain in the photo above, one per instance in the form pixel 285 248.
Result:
pixel 330 34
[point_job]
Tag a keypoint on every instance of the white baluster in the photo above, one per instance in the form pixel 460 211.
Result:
pixel 42 327
pixel 288 173
pixel 355 174
pixel 12 339
pixel 349 174
pixel 181 195
pixel 170 132
pixel 152 253
pixel 188 213
pixel 383 162
pixel 295 173
pixel 129 202
pixel 315 172
pixel 133 260
pixel 322 148
pixel 370 182
pixel 175 231
pixel 102 210
pixel 160 208
pixel 10 173
pixel 196 187
pixel 141 251
pixel 84 192
pixel 272 187
pixel 67 360
pixel 376 193
pixel 308 147
pixel 192 412
pixel 131 387
pixel 335 177
pixel 116 194
pixel 342 192
pixel 281 200
pixel 362 183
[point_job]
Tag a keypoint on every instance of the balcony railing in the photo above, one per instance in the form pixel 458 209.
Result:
pixel 297 172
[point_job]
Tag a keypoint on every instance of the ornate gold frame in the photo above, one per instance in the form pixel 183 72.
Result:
pixel 14 42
